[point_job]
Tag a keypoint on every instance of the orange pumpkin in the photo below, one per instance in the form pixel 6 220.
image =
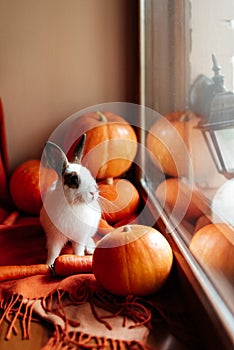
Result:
pixel 213 246
pixel 132 259
pixel 111 143
pixel 128 220
pixel 165 141
pixel 177 146
pixel 104 227
pixel 203 220
pixel 176 196
pixel 28 184
pixel 120 199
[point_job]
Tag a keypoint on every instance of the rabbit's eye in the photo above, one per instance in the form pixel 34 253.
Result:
pixel 72 180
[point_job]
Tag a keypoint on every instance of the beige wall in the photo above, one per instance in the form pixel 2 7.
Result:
pixel 212 32
pixel 60 56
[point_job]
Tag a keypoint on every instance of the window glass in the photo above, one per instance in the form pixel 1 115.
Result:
pixel 194 197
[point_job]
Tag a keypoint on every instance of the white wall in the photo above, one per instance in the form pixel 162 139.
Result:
pixel 212 33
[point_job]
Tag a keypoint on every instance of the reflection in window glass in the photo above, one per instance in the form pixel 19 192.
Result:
pixel 225 139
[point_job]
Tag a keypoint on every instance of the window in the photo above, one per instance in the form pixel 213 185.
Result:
pixel 177 40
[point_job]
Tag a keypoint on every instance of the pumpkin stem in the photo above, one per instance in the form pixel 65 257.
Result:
pixel 109 181
pixel 184 117
pixel 126 228
pixel 102 117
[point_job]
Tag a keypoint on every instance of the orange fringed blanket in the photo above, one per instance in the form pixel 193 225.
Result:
pixel 83 314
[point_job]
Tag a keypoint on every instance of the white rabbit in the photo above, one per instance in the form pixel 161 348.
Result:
pixel 70 211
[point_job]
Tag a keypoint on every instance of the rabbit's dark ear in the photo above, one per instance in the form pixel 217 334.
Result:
pixel 79 150
pixel 56 157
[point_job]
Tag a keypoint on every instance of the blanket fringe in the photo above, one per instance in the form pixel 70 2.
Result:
pixel 62 340
pixel 135 308
pixel 13 309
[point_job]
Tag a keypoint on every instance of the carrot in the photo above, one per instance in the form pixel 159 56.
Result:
pixel 11 218
pixel 12 272
pixel 71 264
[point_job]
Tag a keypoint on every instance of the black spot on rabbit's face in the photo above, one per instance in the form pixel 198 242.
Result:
pixel 72 180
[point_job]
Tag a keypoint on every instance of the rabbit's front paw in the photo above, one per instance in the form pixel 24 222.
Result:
pixel 90 246
pixel 89 250
pixel 79 249
pixel 84 248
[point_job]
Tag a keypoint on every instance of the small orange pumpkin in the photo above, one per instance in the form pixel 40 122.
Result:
pixel 29 183
pixel 111 143
pixel 202 221
pixel 176 196
pixel 120 199
pixel 165 141
pixel 104 227
pixel 132 219
pixel 213 246
pixel 132 259
pixel 175 145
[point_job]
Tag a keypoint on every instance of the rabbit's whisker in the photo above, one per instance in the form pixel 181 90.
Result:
pixel 106 204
